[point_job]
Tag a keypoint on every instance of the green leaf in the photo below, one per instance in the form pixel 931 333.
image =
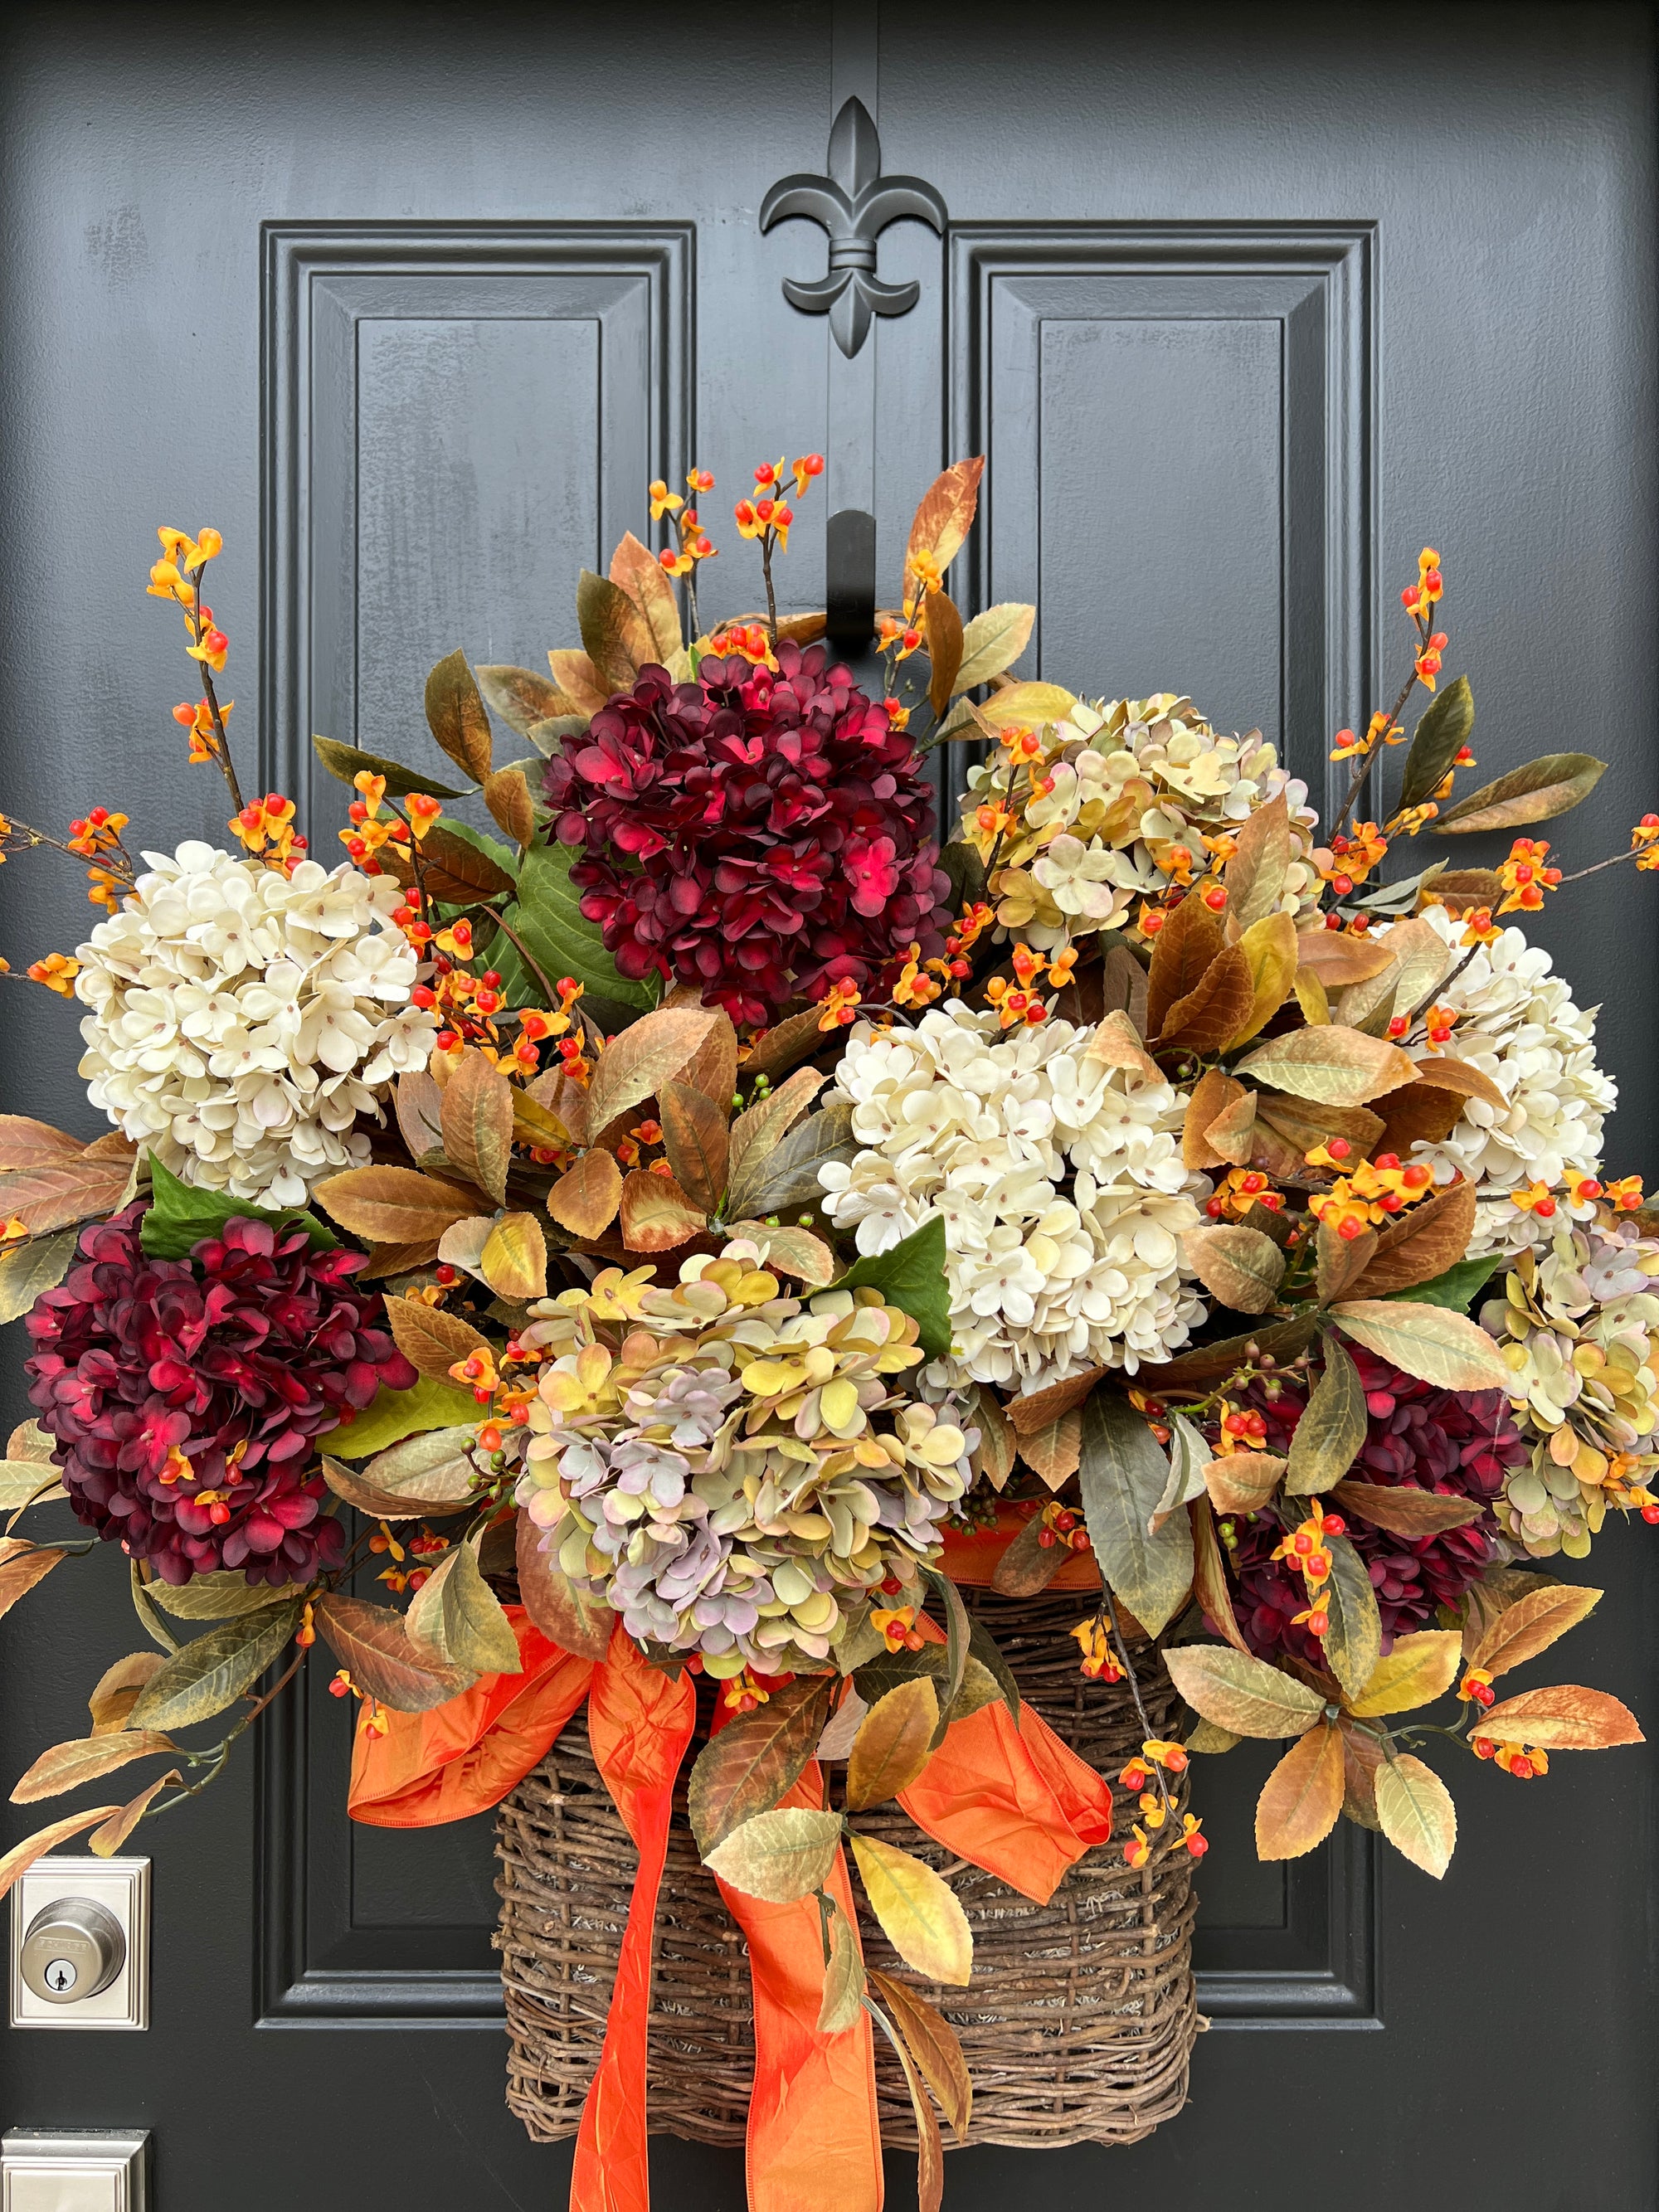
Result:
pixel 1456 1288
pixel 30 1269
pixel 459 1612
pixel 225 1596
pixel 1440 735
pixel 346 762
pixel 984 1647
pixel 1354 1642
pixel 1123 1476
pixel 394 1414
pixel 204 1676
pixel 149 1618
pixel 789 1175
pixel 1538 792
pixel 547 915
pixel 181 1214
pixel 910 1275
pixel 755 1760
pixel 958 1636
pixel 779 1856
pixel 1326 1439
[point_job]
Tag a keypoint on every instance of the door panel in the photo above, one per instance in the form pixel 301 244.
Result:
pixel 1242 312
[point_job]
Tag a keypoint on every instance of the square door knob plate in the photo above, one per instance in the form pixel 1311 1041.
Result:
pixel 80 1944
pixel 53 2170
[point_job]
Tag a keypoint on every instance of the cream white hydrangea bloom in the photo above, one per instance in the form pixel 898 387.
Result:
pixel 1059 1177
pixel 241 1020
pixel 1518 1022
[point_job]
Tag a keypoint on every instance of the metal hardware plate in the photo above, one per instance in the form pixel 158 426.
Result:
pixel 53 2170
pixel 121 1886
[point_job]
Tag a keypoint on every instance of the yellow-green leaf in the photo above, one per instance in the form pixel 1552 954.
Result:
pixel 205 1675
pixel 1415 1812
pixel 1331 1429
pixel 919 1913
pixel 1240 1694
pixel 1269 945
pixel 21 1566
pixel 893 1744
pixel 459 1614
pixel 392 1415
pixel 1256 872
pixel 28 1269
pixel 1536 791
pixel 514 1262
pixel 1430 1342
pixel 843 1980
pixel 1122 1475
pixel 1354 1642
pixel 225 1596
pixel 1419 1669
pixel 1033 704
pixel 1333 1065
pixel 993 641
pixel 779 1856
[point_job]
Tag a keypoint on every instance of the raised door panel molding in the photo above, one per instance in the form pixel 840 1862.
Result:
pixel 457 418
pixel 1179 422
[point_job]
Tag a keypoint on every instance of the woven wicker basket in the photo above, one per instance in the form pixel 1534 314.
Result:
pixel 1079 2021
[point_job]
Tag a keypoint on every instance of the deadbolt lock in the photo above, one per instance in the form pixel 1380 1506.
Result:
pixel 73 1948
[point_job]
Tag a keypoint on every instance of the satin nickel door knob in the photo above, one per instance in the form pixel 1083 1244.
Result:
pixel 73 1948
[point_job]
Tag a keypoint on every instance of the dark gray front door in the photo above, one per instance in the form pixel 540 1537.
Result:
pixel 1243 306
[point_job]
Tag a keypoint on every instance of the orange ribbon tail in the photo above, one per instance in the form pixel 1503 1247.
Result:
pixel 814 2132
pixel 639 1723
pixel 463 1756
pixel 1014 1800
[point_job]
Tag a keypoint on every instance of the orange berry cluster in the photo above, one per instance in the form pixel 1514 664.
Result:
pixel 96 838
pixel 1308 1549
pixel 692 542
pixel 265 829
pixel 1523 1761
pixel 1367 1193
pixel 1240 1189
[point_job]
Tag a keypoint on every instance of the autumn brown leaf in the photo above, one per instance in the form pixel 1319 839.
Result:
pixel 431 1338
pixel 561 1607
pixel 761 1127
pixel 1055 1450
pixel 576 676
pixel 1565 1717
pixel 1232 1136
pixel 1404 1511
pixel 1210 1579
pixel 1211 1096
pixel 1216 1009
pixel 1042 1407
pixel 1240 1266
pixel 1190 940
pixel 21 1566
pixel 634 1066
pixel 87 1758
pixel 636 569
pixel 694 1137
pixel 116 1691
pixel 475 1117
pixel 521 697
pixel 615 637
pixel 1340 1260
pixel 507 794
pixel 25 1144
pixel 1449 1074
pixel 1027 1565
pixel 584 1201
pixel 934 2045
pixel 1430 1342
pixel 945 514
pixel 656 1213
pixel 1337 959
pixel 22 1856
pixel 375 1642
pixel 419 1100
pixel 455 713
pixel 1255 873
pixel 1539 1614
pixel 1301 1799
pixel 59 1192
pixel 393 1205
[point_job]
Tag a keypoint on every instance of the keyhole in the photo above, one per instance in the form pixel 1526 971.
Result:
pixel 60 1975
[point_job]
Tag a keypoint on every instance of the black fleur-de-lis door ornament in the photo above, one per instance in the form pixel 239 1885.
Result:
pixel 854 204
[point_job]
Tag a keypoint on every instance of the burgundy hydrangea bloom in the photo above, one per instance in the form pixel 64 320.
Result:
pixel 763 835
pixel 187 1395
pixel 1460 1443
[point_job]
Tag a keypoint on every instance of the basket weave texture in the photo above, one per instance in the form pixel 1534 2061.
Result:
pixel 1079 2023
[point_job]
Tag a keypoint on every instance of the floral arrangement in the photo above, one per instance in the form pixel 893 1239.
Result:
pixel 675 1229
